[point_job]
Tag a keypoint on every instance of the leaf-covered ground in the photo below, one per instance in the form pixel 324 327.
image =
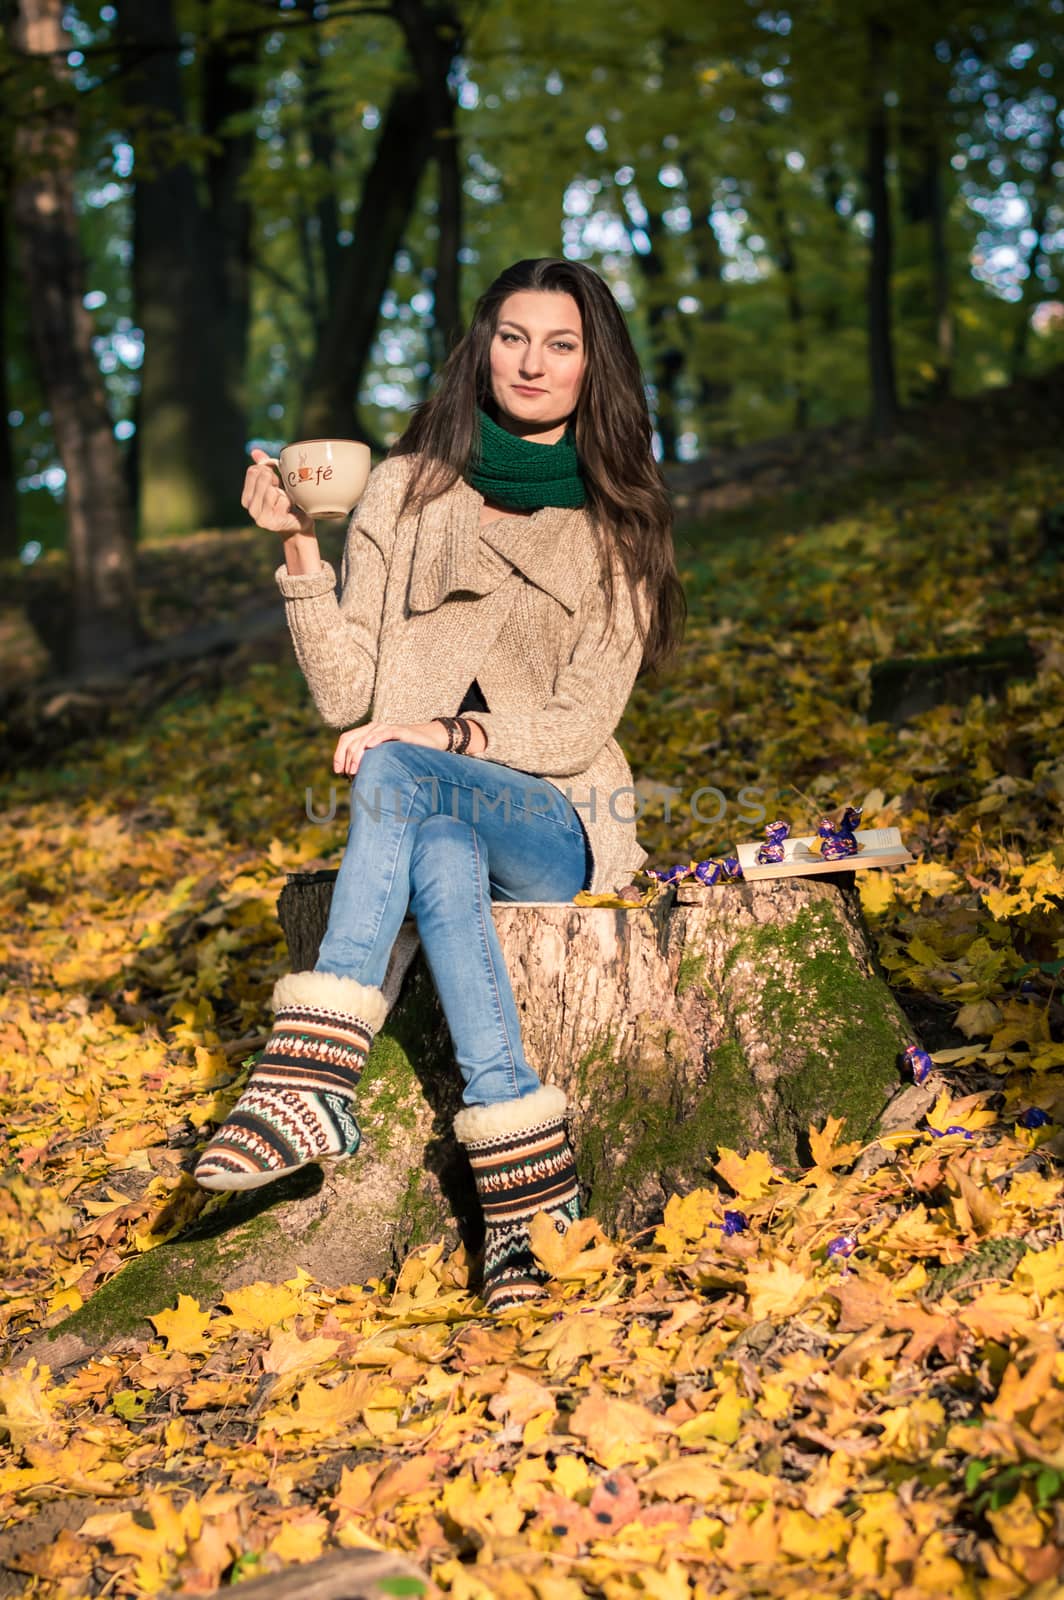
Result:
pixel 859 1393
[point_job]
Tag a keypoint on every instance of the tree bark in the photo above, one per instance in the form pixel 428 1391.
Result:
pixel 884 391
pixel 321 137
pixel 924 205
pixel 434 36
pixel 667 356
pixel 10 543
pixel 191 264
pixel 403 150
pixel 229 94
pixel 1045 196
pixel 99 534
pixel 938 243
pixel 714 383
pixel 731 1017
pixel 788 265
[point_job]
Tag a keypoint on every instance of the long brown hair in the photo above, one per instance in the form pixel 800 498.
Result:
pixel 626 497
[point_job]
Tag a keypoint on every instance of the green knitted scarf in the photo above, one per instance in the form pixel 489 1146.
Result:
pixel 522 475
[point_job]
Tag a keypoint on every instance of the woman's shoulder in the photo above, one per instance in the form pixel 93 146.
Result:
pixel 389 477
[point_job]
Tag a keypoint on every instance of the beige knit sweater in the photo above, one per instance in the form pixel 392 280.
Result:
pixel 429 601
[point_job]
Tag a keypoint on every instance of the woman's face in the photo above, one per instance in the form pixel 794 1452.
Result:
pixel 537 362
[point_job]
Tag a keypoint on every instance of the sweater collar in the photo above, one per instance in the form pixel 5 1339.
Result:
pixel 453 554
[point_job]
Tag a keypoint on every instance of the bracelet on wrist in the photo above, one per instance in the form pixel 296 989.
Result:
pixel 459 733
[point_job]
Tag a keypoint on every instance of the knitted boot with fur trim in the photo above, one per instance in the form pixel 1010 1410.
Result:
pixel 298 1106
pixel 523 1163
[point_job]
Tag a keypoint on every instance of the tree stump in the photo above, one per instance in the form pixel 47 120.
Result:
pixel 736 1015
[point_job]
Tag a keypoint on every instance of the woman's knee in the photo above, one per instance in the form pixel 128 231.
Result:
pixel 443 846
pixel 388 776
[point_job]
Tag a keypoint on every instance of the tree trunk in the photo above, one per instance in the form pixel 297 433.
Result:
pixel 190 279
pixel 321 137
pixel 104 622
pixel 924 206
pixel 403 150
pixel 788 265
pixel 938 239
pixel 667 357
pixel 1045 197
pixel 10 543
pixel 434 37
pixel 229 94
pixel 882 379
pixel 734 1016
pixel 714 383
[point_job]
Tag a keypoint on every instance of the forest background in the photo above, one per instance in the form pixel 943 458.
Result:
pixel 250 221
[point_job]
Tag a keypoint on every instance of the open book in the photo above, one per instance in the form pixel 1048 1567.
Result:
pixel 880 847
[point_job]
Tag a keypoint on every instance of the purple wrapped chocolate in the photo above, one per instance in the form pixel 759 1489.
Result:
pixel 844 1245
pixel 669 874
pixel 920 1063
pixel 708 873
pixel 838 830
pixel 731 867
pixel 772 849
pixel 1034 1117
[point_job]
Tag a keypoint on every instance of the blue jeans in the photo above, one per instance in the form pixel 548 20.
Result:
pixel 444 835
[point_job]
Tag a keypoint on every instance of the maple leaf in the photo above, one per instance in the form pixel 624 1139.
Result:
pixel 206 1393
pixel 687 1218
pixel 579 1254
pixel 184 1327
pixel 289 1354
pixel 977 1207
pixel 750 1176
pixel 321 1412
pixel 964 1114
pixel 721 1421
pixel 399 1484
pixel 487 1508
pixel 999 1314
pixel 877 893
pixel 618 1432
pixel 156 1536
pixel 520 1399
pixel 26 1408
pixel 262 1306
pixel 753 1543
pixel 696 1477
pixel 827 1151
pixel 774 1288
pixel 1042 1271
pixel 302 1538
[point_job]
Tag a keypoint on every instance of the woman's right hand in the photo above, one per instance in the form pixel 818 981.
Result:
pixel 267 503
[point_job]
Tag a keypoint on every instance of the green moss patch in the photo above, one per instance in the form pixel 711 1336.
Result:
pixel 838 1031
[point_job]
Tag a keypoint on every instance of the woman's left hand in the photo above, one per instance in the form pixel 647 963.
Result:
pixel 351 745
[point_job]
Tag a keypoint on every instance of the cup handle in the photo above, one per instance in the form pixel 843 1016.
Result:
pixel 271 461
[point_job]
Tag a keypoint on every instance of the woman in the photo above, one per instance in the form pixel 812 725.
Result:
pixel 492 568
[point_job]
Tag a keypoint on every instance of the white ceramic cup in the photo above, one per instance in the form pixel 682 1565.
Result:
pixel 324 477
